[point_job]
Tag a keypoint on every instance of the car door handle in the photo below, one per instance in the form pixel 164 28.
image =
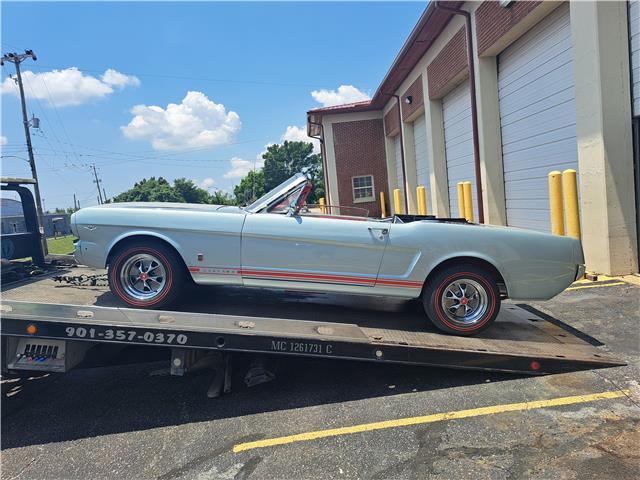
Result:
pixel 382 231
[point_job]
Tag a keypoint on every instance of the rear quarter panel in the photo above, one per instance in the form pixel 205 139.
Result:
pixel 534 265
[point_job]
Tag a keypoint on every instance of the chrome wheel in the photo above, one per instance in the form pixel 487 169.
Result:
pixel 143 276
pixel 464 302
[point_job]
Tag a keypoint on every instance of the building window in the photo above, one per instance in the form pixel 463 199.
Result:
pixel 363 190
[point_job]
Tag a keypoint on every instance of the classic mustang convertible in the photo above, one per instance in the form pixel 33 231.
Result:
pixel 461 271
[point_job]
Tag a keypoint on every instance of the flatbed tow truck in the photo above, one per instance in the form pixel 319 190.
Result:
pixel 40 332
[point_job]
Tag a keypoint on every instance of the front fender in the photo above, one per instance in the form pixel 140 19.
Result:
pixel 138 233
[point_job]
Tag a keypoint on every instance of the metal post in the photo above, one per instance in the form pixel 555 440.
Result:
pixel 422 200
pixel 397 202
pixel 555 203
pixel 460 200
pixel 16 59
pixel 468 201
pixel 383 206
pixel 97 182
pixel 570 191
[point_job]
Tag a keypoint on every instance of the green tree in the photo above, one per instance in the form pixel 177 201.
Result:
pixel 189 192
pixel 222 198
pixel 151 190
pixel 250 188
pixel 182 190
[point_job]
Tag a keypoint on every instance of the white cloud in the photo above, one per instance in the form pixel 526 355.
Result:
pixel 344 94
pixel 3 140
pixel 240 168
pixel 69 86
pixel 195 122
pixel 116 79
pixel 207 183
pixel 299 134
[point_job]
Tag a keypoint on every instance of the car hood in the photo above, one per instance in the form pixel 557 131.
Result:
pixel 200 207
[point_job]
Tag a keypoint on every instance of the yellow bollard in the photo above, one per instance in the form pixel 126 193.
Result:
pixel 468 201
pixel 572 212
pixel 555 203
pixel 422 200
pixel 383 206
pixel 397 201
pixel 460 200
pixel 322 205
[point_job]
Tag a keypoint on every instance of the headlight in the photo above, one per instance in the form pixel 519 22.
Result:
pixel 72 220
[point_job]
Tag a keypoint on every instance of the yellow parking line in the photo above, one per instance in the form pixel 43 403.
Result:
pixel 437 417
pixel 595 286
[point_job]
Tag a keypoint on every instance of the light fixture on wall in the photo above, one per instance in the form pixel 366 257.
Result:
pixel 408 99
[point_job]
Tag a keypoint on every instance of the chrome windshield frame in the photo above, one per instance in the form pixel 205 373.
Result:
pixel 279 192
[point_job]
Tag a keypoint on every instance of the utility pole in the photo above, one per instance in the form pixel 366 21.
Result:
pixel 104 195
pixel 97 182
pixel 75 203
pixel 17 59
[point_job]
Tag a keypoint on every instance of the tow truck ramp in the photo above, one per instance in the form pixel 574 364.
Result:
pixel 54 337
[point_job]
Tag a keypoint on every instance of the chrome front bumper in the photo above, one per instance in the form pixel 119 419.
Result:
pixel 580 272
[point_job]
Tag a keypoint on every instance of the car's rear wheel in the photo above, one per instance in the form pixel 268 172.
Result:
pixel 463 300
pixel 145 275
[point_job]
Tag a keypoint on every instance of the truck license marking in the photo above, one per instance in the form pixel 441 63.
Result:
pixel 301 347
pixel 127 335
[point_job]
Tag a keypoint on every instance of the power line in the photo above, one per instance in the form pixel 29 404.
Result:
pixel 43 110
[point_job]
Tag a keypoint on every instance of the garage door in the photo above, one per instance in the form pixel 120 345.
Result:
pixel 399 176
pixel 537 117
pixel 634 42
pixel 420 145
pixel 458 145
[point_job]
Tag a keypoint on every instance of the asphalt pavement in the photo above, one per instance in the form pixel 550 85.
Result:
pixel 335 419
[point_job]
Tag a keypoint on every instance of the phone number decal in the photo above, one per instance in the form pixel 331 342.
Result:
pixel 136 336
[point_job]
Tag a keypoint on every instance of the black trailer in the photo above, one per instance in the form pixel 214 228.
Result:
pixel 55 337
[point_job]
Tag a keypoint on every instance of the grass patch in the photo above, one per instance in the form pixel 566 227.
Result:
pixel 61 245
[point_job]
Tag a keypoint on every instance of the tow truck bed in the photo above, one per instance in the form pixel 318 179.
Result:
pixel 523 340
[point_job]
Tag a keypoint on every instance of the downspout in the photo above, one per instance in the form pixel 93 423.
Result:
pixel 474 107
pixel 404 170
pixel 320 138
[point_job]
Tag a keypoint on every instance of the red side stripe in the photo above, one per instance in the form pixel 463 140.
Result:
pixel 347 279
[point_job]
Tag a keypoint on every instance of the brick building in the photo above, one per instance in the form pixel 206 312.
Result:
pixel 557 86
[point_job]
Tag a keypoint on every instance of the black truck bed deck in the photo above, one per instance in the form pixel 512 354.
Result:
pixel 292 323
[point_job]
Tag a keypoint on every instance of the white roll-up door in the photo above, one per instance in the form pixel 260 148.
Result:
pixel 458 145
pixel 399 176
pixel 420 147
pixel 634 43
pixel 537 117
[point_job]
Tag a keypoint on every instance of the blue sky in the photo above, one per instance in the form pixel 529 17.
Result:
pixel 259 60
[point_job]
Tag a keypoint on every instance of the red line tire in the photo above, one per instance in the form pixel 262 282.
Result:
pixel 443 301
pixel 173 274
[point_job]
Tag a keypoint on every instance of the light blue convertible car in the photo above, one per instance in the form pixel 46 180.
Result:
pixel 461 271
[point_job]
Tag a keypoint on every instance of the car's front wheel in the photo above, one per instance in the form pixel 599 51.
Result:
pixel 463 300
pixel 145 275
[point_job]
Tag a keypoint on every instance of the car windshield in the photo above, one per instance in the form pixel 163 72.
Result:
pixel 280 191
